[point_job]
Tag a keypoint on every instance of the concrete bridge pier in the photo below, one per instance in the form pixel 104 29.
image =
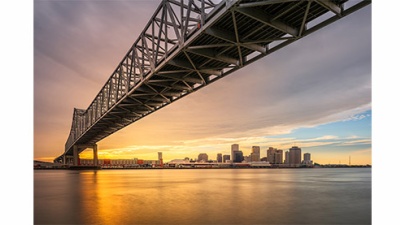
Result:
pixel 76 153
pixel 95 156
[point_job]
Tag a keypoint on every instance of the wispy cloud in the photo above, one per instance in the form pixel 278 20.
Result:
pixel 356 117
pixel 308 83
pixel 362 151
pixel 356 142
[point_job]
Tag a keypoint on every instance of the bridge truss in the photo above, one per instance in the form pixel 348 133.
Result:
pixel 188 44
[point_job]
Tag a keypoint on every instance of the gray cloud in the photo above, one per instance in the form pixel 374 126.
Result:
pixel 324 77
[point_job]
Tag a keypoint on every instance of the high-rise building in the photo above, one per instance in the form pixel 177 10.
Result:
pixel 274 156
pixel 203 157
pixel 278 157
pixel 295 156
pixel 219 157
pixel 160 159
pixel 234 148
pixel 226 158
pixel 286 157
pixel 271 155
pixel 255 154
pixel 307 159
pixel 238 156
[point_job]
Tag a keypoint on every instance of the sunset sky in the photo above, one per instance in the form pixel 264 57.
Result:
pixel 314 93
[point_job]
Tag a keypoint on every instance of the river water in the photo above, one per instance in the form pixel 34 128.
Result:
pixel 203 196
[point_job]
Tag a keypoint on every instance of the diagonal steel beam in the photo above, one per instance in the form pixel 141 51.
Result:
pixel 237 37
pixel 230 37
pixel 212 54
pixel 261 16
pixel 329 5
pixel 303 24
pixel 194 66
pixel 262 3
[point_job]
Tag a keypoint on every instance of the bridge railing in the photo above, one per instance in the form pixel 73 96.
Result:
pixel 173 22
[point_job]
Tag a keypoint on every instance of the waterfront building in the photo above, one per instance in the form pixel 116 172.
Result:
pixel 126 163
pixel 160 159
pixel 278 156
pixel 255 154
pixel 111 163
pixel 307 159
pixel 234 148
pixel 260 164
pixel 270 155
pixel 219 157
pixel 274 156
pixel 286 157
pixel 203 157
pixel 238 156
pixel 226 158
pixel 294 156
pixel 263 159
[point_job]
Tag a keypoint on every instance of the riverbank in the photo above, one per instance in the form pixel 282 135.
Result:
pixel 183 168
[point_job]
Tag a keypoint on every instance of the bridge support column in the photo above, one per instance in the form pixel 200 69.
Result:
pixel 95 157
pixel 79 148
pixel 76 155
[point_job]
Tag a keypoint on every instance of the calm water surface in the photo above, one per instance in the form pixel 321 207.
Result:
pixel 203 196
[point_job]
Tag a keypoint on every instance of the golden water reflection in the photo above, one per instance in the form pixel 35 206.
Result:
pixel 205 196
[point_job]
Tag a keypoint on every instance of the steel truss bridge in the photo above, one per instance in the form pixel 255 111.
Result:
pixel 188 44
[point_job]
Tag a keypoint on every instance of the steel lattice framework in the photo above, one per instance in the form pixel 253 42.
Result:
pixel 188 44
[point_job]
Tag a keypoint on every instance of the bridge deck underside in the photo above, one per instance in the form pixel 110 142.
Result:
pixel 230 39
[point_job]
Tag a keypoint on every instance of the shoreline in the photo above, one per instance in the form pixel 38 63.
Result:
pixel 197 168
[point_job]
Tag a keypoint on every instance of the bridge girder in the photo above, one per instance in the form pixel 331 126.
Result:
pixel 189 44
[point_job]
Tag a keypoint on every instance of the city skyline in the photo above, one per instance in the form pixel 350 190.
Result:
pixel 262 156
pixel 273 155
pixel 318 98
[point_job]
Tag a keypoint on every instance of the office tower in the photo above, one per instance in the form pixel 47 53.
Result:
pixel 286 157
pixel 307 159
pixel 271 155
pixel 252 157
pixel 295 156
pixel 203 157
pixel 255 154
pixel 160 159
pixel 226 158
pixel 234 148
pixel 274 156
pixel 238 156
pixel 219 157
pixel 278 157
